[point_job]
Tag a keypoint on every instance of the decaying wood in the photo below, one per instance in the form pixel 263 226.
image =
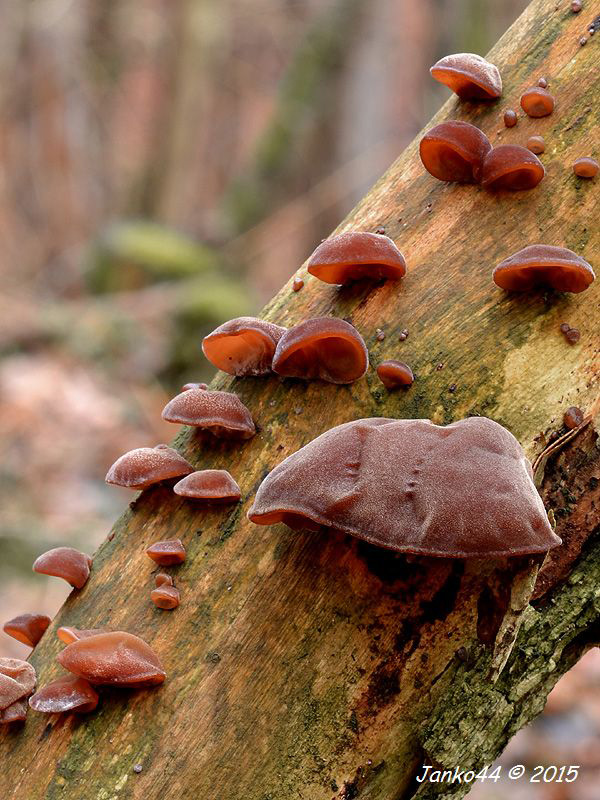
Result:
pixel 313 666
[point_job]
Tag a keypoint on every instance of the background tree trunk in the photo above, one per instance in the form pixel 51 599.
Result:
pixel 314 666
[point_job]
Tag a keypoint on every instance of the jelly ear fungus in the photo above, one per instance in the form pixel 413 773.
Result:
pixel 454 151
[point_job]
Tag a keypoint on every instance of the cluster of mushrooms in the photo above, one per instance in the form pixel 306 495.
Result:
pixel 403 484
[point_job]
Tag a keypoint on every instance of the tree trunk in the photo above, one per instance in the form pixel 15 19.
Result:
pixel 314 666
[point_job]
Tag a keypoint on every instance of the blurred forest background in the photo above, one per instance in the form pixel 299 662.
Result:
pixel 166 165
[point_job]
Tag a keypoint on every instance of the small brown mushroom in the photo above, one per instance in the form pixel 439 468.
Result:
pixel 214 485
pixel 536 144
pixel 586 167
pixel 162 579
pixel 166 597
pixel 68 634
pixel 537 102
pixel 512 167
pixel 510 118
pixel 544 265
pixel 469 75
pixel 220 413
pixel 17 681
pixel 394 374
pixel 145 466
pixel 243 346
pixel 325 347
pixel 454 151
pixel 543 83
pixel 297 284
pixel 27 628
pixel 167 553
pixel 71 565
pixel 357 255
pixel 65 694
pixel 117 658
pixel 573 335
pixel 573 417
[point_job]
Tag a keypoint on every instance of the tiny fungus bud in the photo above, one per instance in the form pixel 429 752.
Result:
pixel 454 151
pixel 564 327
pixel 403 335
pixel 573 335
pixel 27 628
pixel 544 265
pixel 394 374
pixel 586 167
pixel 583 41
pixel 356 255
pixel 145 466
pixel 543 83
pixel 162 579
pixel 537 102
pixel 573 417
pixel 510 166
pixel 243 346
pixel 510 118
pixel 379 335
pixel 165 597
pixel 576 6
pixel 67 563
pixel 214 485
pixel 469 75
pixel 536 144
pixel 17 681
pixel 65 694
pixel 167 553
pixel 220 413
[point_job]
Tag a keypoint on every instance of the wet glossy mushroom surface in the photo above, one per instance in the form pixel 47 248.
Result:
pixel 469 75
pixel 454 151
pixel 17 681
pixel 211 485
pixel 165 597
pixel 27 628
pixel 357 255
pixel 537 102
pixel 68 634
pixel 586 167
pixel 145 466
pixel 463 490
pixel 116 658
pixel 167 553
pixel 542 265
pixel 16 712
pixel 243 346
pixel 65 694
pixel 220 413
pixel 511 167
pixel 67 563
pixel 325 347
pixel 394 374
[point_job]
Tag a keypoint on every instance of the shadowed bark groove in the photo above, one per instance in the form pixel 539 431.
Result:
pixel 314 666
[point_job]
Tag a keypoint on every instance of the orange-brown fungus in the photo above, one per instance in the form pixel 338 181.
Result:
pixel 166 597
pixel 65 694
pixel 68 634
pixel 17 682
pixel 145 466
pixel 542 265
pixel 167 553
pixel 586 167
pixel 394 374
pixel 573 417
pixel 221 413
pixel 215 485
pixel 510 118
pixel 537 102
pixel 113 659
pixel 243 346
pixel 573 335
pixel 454 151
pixel 357 255
pixel 16 712
pixel 27 628
pixel 512 167
pixel 470 76
pixel 67 563
pixel 464 490
pixel 297 284
pixel 325 347
pixel 536 144
pixel 162 579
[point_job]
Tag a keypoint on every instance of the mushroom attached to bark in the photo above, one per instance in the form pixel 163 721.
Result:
pixel 27 628
pixel 116 658
pixel 167 553
pixel 165 597
pixel 162 579
pixel 145 466
pixel 17 682
pixel 460 491
pixel 540 265
pixel 67 563
pixel 512 167
pixel 221 413
pixel 394 374
pixel 213 485
pixel 65 694
pixel 243 346
pixel 357 255
pixel 586 167
pixel 454 151
pixel 469 75
pixel 325 347
pixel 537 102
pixel 68 634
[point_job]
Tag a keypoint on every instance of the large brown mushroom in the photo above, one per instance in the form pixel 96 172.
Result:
pixel 460 491
pixel 243 346
pixel 454 151
pixel 67 563
pixel 27 628
pixel 357 255
pixel 221 413
pixel 65 694
pixel 213 485
pixel 543 265
pixel 512 167
pixel 145 466
pixel 469 75
pixel 325 347
pixel 17 682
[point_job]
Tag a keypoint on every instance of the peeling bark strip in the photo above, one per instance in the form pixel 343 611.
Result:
pixel 313 666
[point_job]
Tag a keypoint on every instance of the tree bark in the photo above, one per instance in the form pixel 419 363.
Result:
pixel 314 666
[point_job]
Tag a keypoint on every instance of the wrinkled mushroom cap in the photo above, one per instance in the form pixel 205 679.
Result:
pixel 325 347
pixel 394 374
pixel 65 694
pixel 215 485
pixel 67 563
pixel 243 346
pixel 16 712
pixel 68 634
pixel 537 102
pixel 469 75
pixel 165 597
pixel 544 265
pixel 221 413
pixel 512 167
pixel 27 628
pixel 357 255
pixel 460 491
pixel 17 680
pixel 144 466
pixel 116 658
pixel 454 151
pixel 167 553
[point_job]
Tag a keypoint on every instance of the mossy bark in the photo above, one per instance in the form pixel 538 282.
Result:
pixel 314 666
